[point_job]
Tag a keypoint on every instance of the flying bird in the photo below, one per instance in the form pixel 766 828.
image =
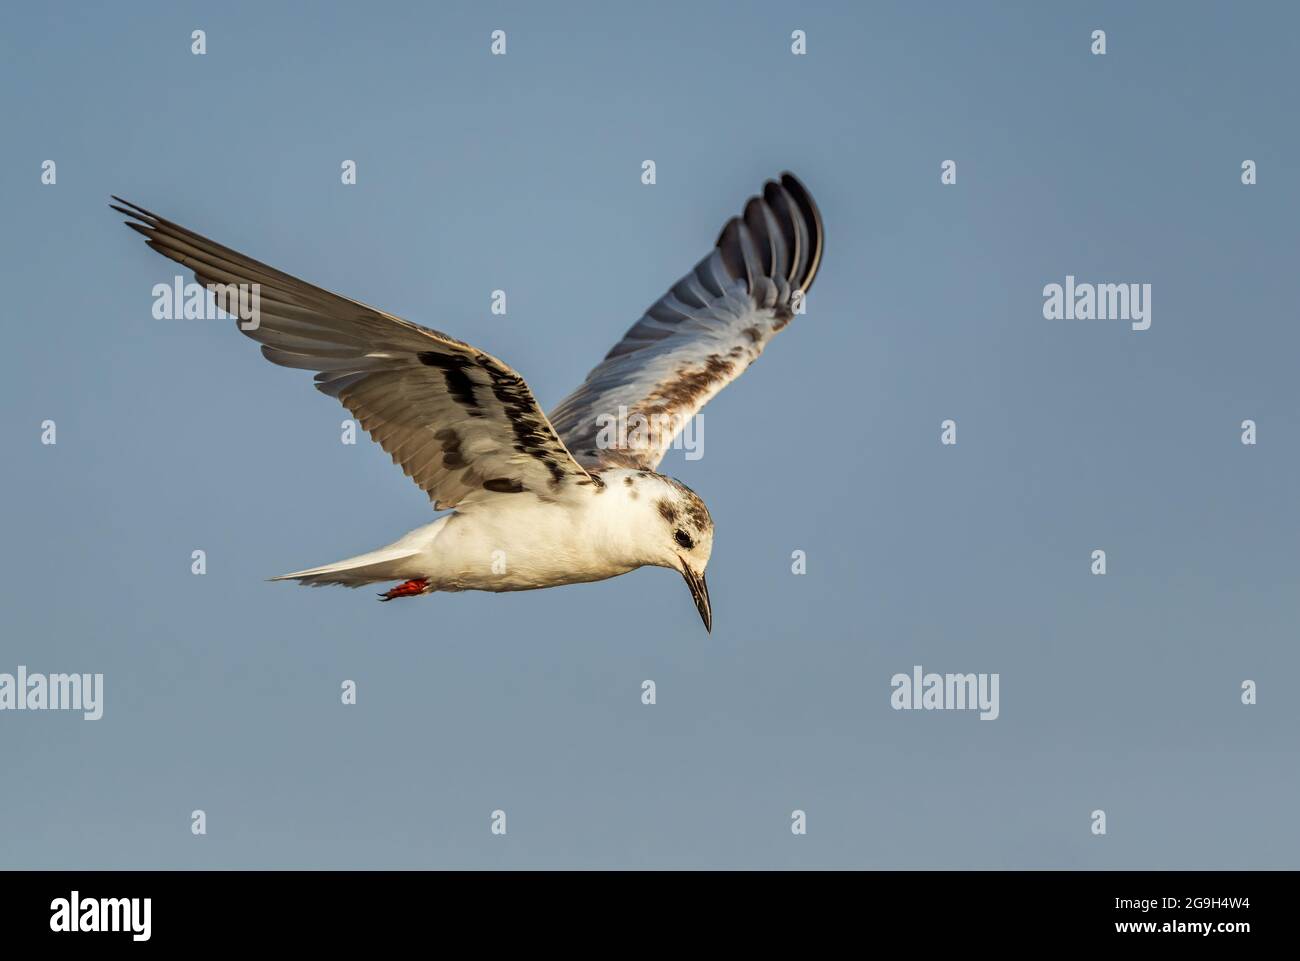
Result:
pixel 535 501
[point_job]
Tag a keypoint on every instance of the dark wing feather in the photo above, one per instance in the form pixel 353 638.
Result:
pixel 460 423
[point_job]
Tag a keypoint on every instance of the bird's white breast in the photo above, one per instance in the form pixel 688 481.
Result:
pixel 516 543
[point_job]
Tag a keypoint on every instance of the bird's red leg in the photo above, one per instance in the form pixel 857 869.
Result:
pixel 410 589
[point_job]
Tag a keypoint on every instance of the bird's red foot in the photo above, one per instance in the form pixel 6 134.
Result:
pixel 410 589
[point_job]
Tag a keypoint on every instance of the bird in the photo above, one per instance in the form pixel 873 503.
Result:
pixel 533 501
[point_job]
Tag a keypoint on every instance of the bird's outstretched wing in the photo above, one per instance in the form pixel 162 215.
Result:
pixel 698 337
pixel 462 424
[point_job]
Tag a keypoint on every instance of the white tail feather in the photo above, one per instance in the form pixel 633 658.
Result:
pixel 398 561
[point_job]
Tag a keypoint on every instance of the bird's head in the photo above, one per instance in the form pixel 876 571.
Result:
pixel 686 535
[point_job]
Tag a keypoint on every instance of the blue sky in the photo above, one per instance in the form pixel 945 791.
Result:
pixel 522 172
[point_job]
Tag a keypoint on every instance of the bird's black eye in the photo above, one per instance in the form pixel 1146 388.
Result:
pixel 684 539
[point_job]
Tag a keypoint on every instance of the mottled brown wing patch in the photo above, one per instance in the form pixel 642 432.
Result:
pixel 701 335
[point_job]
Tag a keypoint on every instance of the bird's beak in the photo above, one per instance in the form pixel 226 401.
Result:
pixel 700 591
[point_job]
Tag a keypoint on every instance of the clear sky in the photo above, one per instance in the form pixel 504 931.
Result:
pixel 1120 693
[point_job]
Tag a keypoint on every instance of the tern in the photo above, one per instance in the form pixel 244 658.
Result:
pixel 534 501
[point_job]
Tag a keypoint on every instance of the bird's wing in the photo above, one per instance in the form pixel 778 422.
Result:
pixel 460 423
pixel 698 337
